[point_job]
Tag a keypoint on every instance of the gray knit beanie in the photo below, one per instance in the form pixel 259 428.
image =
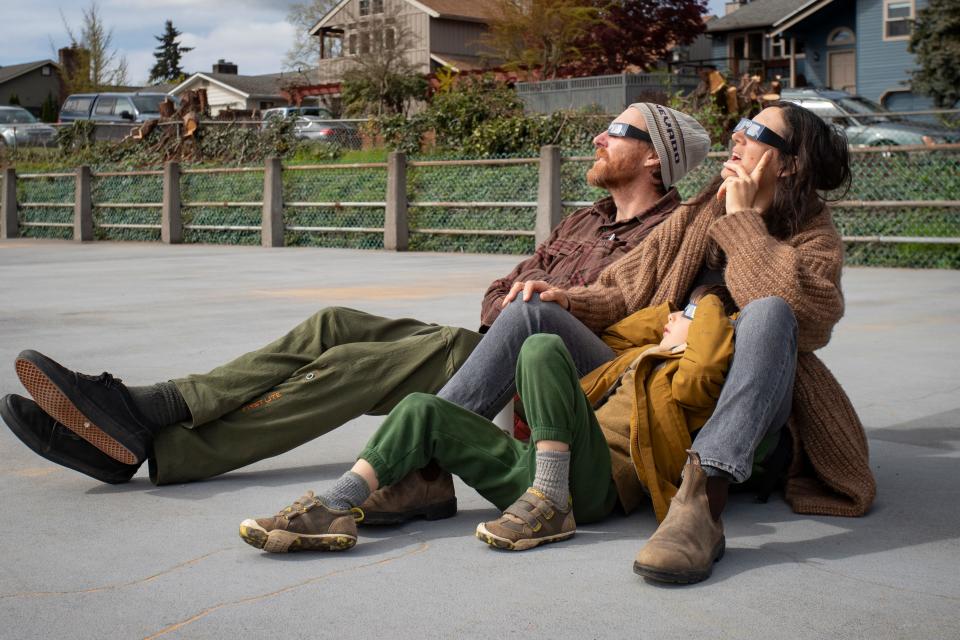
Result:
pixel 680 141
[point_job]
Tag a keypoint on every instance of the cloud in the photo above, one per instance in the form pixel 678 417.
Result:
pixel 251 33
pixel 254 47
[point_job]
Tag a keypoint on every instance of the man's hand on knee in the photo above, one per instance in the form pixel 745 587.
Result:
pixel 547 292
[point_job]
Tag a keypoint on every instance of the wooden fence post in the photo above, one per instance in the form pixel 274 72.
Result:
pixel 8 202
pixel 171 224
pixel 271 234
pixel 396 229
pixel 83 205
pixel 549 206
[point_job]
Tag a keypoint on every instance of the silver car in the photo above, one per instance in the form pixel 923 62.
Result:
pixel 317 124
pixel 866 123
pixel 19 128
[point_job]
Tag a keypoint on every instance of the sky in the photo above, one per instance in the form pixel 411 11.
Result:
pixel 253 34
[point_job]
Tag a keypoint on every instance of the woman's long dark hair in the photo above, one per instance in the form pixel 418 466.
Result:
pixel 820 163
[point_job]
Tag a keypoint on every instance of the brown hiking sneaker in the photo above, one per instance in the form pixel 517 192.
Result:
pixel 688 541
pixel 529 522
pixel 306 525
pixel 414 496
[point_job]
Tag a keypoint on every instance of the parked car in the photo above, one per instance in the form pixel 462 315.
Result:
pixel 317 124
pixel 19 128
pixel 113 107
pixel 317 129
pixel 286 112
pixel 865 122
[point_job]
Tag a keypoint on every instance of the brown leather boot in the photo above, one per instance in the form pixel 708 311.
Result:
pixel 416 495
pixel 688 541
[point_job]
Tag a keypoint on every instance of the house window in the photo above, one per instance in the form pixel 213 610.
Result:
pixel 45 71
pixel 377 6
pixel 389 38
pixel 779 48
pixel 897 19
pixel 365 42
pixel 840 37
pixel 353 44
pixel 332 44
pixel 364 7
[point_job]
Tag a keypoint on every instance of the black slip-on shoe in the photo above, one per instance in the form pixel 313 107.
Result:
pixel 53 441
pixel 99 409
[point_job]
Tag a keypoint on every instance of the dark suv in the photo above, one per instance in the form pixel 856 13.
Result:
pixel 113 107
pixel 865 122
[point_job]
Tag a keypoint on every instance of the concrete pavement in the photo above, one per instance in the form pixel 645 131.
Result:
pixel 84 560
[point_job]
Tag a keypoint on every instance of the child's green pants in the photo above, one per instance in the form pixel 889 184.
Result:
pixel 423 428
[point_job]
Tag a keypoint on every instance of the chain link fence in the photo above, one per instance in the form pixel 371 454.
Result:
pixel 475 206
pixel 126 205
pixel 901 210
pixel 46 203
pixel 222 206
pixel 334 205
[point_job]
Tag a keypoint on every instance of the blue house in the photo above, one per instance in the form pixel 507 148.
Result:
pixel 858 46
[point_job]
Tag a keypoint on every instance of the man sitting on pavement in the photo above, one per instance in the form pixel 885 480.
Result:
pixel 318 376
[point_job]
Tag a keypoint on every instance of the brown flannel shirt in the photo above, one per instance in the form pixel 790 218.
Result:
pixel 581 246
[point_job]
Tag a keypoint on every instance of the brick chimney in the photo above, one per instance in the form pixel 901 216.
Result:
pixel 71 58
pixel 222 66
pixel 733 5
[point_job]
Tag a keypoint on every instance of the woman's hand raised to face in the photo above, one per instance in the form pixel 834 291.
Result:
pixel 547 293
pixel 741 189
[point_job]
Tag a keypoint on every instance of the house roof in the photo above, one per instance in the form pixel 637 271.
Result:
pixel 479 10
pixel 459 63
pixel 247 86
pixel 759 14
pixel 165 87
pixel 12 71
pixel 471 10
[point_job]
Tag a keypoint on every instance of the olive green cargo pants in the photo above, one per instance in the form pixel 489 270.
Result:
pixel 424 427
pixel 335 366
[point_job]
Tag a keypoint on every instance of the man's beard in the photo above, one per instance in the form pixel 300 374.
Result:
pixel 611 174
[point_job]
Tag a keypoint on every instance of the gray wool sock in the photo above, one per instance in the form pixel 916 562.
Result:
pixel 553 476
pixel 160 403
pixel 350 491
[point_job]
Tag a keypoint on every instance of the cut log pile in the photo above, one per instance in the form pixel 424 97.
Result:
pixel 178 127
pixel 744 99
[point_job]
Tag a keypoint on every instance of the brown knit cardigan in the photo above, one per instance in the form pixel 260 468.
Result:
pixel 830 473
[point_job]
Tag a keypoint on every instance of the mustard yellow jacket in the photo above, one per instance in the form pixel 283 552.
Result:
pixel 663 396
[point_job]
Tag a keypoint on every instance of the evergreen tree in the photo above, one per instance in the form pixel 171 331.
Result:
pixel 167 67
pixel 936 43
pixel 14 100
pixel 48 112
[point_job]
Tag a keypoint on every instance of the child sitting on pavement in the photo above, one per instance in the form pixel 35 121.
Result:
pixel 671 362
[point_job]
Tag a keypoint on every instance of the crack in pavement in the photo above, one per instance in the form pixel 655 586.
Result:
pixel 263 596
pixel 113 587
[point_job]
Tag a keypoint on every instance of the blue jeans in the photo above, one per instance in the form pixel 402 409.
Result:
pixel 486 381
pixel 758 393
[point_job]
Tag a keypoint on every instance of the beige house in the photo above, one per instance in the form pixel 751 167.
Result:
pixel 228 90
pixel 440 33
